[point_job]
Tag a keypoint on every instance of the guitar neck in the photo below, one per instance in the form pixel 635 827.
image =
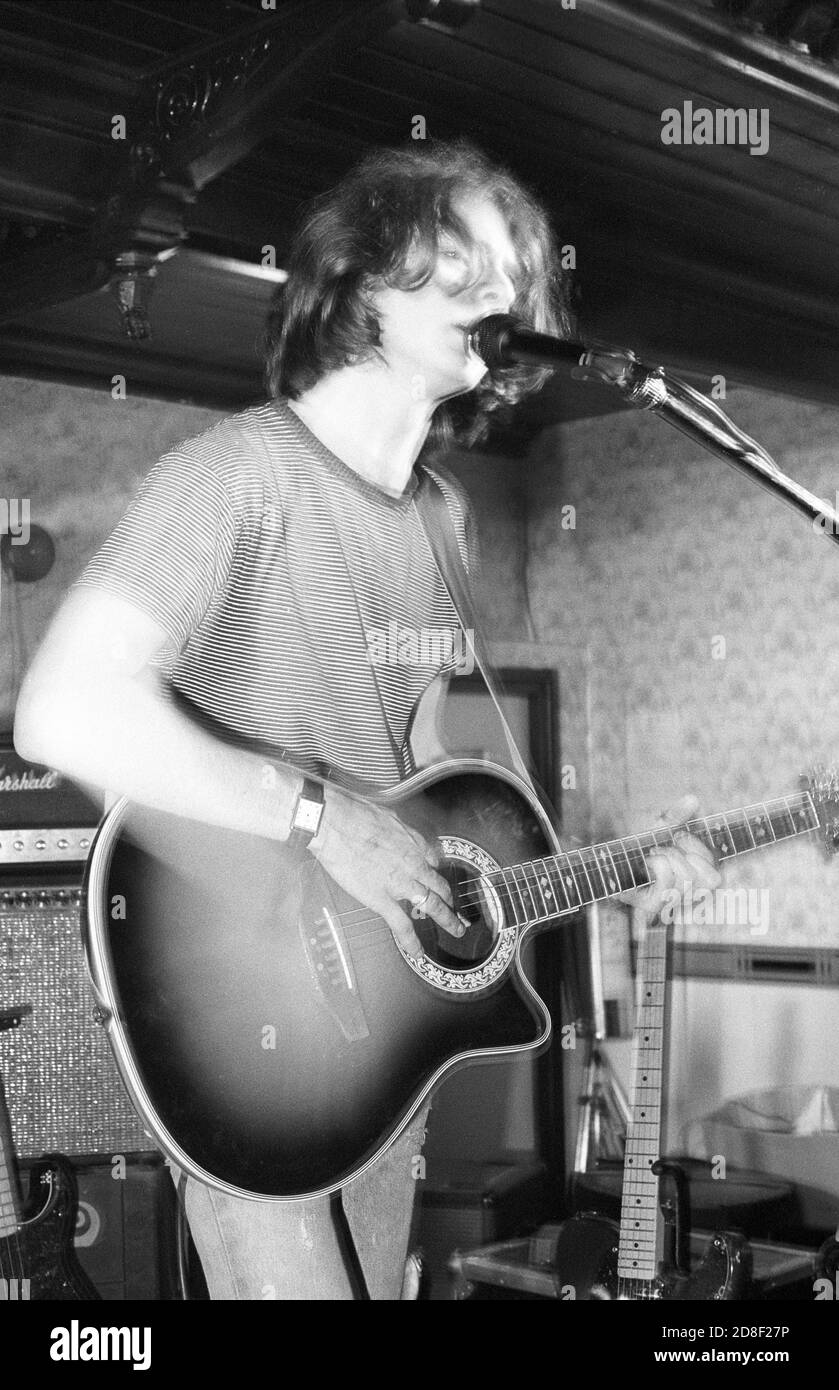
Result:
pixel 541 889
pixel 641 1230
pixel 11 1212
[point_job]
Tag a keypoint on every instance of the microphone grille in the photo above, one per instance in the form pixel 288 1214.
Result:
pixel 489 339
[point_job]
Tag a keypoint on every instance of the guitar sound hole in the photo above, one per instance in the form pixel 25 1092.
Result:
pixel 479 905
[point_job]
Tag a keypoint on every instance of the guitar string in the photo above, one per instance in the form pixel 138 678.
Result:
pixel 588 855
pixel 13 1242
pixel 478 901
pixel 381 928
pixel 588 859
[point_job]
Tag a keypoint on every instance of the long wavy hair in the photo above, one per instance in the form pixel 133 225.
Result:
pixel 396 203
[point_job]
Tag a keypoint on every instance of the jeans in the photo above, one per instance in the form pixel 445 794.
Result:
pixel 290 1251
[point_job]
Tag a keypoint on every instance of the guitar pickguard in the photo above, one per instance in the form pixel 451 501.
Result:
pixel 586 1259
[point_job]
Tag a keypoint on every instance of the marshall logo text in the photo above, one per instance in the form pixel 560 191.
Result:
pixel 28 781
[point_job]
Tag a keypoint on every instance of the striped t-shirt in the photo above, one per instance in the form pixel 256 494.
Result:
pixel 303 605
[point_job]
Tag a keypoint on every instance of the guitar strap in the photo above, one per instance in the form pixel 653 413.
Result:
pixel 438 525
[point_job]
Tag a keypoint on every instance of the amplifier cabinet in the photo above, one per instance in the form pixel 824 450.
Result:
pixel 126 1228
pixel 62 1087
pixel 476 1203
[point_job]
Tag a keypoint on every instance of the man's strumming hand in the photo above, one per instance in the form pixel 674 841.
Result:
pixel 384 864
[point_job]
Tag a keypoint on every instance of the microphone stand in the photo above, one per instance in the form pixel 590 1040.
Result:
pixel 703 421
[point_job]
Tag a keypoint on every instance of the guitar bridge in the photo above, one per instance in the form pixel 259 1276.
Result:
pixel 332 972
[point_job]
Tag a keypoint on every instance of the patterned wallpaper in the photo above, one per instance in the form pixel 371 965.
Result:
pixel 698 620
pixel 78 456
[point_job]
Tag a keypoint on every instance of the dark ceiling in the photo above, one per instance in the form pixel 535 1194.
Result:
pixel 707 258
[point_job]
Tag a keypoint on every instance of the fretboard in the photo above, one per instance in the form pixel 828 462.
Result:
pixel 541 889
pixel 640 1248
pixel 10 1205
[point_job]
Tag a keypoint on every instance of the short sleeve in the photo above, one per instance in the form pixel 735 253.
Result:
pixel 173 548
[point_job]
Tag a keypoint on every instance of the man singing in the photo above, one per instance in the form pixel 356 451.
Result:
pixel 234 602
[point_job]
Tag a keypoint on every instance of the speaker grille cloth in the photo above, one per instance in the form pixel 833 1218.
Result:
pixel 63 1090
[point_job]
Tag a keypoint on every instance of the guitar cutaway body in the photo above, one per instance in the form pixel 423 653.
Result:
pixel 271 1033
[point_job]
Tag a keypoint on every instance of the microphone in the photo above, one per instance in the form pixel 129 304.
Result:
pixel 502 341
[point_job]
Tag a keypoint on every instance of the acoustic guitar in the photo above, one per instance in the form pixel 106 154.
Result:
pixel 274 1037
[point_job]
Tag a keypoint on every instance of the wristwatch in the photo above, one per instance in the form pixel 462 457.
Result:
pixel 307 814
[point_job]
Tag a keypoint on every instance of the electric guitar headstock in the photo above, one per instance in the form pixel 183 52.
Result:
pixel 822 784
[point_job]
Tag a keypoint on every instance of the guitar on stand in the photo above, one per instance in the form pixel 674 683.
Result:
pixel 38 1261
pixel 647 1256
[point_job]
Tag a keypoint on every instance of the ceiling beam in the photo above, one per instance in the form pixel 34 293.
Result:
pixel 747 55
pixel 192 119
pixel 207 109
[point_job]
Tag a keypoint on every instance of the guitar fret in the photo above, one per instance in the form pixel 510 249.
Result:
pixel 623 865
pixel 720 836
pixel 568 880
pixel 806 815
pixel 522 887
pixel 588 894
pixel 10 1202
pixel 637 861
pixel 739 834
pixel 638 1250
pixel 786 819
pixel 505 893
pixel 761 825
pixel 554 880
pixel 520 918
pixel 542 881
pixel 532 911
pixel 782 823
pixel 594 868
pixel 748 825
pixel 613 882
pixel 537 912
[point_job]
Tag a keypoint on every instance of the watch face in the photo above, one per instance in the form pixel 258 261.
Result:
pixel 307 816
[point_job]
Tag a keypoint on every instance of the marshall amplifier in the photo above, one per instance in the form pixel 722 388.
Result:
pixel 44 817
pixel 62 1086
